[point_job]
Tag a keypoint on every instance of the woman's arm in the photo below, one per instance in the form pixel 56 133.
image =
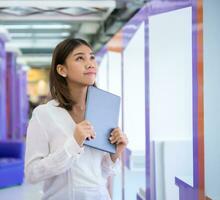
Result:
pixel 120 139
pixel 40 163
pixel 110 168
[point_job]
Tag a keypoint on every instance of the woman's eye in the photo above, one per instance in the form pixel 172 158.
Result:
pixel 92 57
pixel 79 58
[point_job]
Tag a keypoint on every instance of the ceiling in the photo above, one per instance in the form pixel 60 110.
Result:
pixel 36 26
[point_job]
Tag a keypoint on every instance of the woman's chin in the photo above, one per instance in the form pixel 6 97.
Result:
pixel 88 83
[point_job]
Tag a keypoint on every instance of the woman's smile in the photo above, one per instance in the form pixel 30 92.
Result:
pixel 90 72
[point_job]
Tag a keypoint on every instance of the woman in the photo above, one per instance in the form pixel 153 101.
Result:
pixel 57 130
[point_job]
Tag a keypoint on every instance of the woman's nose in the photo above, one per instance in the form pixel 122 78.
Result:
pixel 90 65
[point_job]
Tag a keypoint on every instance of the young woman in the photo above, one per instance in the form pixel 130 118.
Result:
pixel 55 153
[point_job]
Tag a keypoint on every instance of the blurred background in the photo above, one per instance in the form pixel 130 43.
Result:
pixel 160 56
pixel 33 28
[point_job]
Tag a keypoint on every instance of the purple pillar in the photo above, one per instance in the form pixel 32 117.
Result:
pixel 186 191
pixel 2 90
pixel 22 104
pixel 17 105
pixel 11 99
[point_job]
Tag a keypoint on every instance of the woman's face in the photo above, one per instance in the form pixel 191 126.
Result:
pixel 81 66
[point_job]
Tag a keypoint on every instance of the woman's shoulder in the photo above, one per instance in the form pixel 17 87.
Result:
pixel 50 112
pixel 46 107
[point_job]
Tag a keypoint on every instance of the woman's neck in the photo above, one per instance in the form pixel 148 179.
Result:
pixel 78 95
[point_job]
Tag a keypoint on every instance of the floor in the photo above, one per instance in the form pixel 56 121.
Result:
pixel 21 192
pixel 33 192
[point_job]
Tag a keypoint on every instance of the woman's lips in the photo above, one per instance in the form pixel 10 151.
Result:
pixel 90 73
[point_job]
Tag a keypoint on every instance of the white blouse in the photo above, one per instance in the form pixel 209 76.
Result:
pixel 69 172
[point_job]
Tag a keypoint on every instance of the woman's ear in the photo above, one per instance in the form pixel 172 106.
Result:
pixel 61 70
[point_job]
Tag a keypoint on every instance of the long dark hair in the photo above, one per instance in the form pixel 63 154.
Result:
pixel 58 85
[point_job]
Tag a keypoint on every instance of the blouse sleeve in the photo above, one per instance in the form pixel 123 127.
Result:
pixel 40 164
pixel 110 168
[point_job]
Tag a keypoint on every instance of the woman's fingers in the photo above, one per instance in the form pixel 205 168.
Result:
pixel 90 134
pixel 88 129
pixel 114 138
pixel 116 135
pixel 118 138
pixel 123 140
pixel 115 131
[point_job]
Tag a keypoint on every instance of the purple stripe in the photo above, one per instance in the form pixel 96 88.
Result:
pixel 153 8
pixel 127 158
pixel 186 191
pixel 179 182
pixel 147 113
pixel 122 111
pixel 2 90
pixel 133 24
pixel 100 54
pixel 158 7
pixel 195 97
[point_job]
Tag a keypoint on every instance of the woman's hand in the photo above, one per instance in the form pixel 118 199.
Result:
pixel 120 139
pixel 83 130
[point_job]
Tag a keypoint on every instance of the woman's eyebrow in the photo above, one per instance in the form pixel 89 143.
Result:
pixel 81 53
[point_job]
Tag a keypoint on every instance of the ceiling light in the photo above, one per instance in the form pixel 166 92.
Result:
pixel 38 26
pixel 21 35
pixel 16 26
pixel 36 43
pixel 51 26
pixel 62 34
